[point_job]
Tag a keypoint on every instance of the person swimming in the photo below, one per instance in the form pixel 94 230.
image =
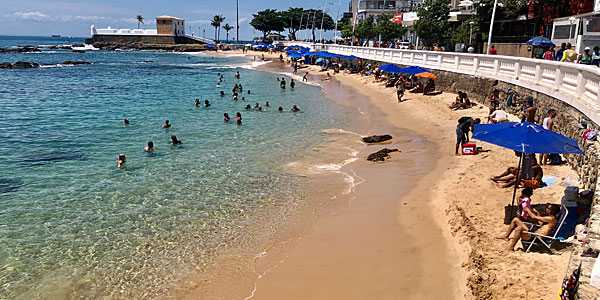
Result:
pixel 226 117
pixel 295 109
pixel 280 109
pixel 243 98
pixel 166 125
pixel 222 93
pixel 126 122
pixel 277 78
pixel 206 103
pixel 248 106
pixel 150 147
pixel 238 118
pixel 122 160
pixel 218 85
pixel 259 108
pixel 256 105
pixel 197 102
pixel 292 84
pixel 267 104
pixel 248 91
pixel 175 141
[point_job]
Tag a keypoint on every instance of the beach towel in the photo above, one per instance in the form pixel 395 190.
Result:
pixel 549 180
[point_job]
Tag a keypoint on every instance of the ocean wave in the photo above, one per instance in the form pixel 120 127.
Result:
pixel 340 131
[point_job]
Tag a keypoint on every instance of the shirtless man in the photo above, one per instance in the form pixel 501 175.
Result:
pixel 400 89
pixel 530 111
pixel 520 230
pixel 510 176
pixel 494 102
pixel 166 125
pixel 305 77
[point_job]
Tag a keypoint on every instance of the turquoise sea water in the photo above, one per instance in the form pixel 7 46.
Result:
pixel 74 226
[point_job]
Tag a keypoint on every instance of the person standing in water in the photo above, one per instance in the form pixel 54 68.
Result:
pixel 292 84
pixel 175 141
pixel 295 109
pixel 206 103
pixel 197 103
pixel 122 160
pixel 126 122
pixel 237 75
pixel 238 118
pixel 166 125
pixel 282 83
pixel 226 117
pixel 150 147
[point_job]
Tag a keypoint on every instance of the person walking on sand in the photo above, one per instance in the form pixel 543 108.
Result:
pixel 305 77
pixel 400 89
pixel 548 124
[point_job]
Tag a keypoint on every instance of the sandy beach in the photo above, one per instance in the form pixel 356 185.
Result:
pixel 420 226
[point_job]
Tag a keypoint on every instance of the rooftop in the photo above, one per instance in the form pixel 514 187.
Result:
pixel 168 17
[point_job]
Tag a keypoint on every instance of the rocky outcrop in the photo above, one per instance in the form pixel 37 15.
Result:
pixel 377 138
pixel 58 47
pixel 73 63
pixel 381 155
pixel 19 65
pixel 23 49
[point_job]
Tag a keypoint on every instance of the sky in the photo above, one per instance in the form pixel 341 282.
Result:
pixel 74 18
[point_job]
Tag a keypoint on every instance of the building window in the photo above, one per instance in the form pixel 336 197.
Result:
pixel 164 22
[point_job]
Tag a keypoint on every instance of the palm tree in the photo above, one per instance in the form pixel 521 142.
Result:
pixel 140 19
pixel 227 27
pixel 216 22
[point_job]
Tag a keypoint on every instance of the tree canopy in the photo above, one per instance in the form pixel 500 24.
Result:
pixel 366 28
pixel 267 20
pixel 293 18
pixel 387 29
pixel 433 25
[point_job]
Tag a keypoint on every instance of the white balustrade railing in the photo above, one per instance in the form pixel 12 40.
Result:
pixel 575 84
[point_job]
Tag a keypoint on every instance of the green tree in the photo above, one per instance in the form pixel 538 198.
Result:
pixel 316 17
pixel 266 21
pixel 387 29
pixel 140 19
pixel 346 30
pixel 366 29
pixel 462 34
pixel 433 25
pixel 292 18
pixel 216 23
pixel 227 28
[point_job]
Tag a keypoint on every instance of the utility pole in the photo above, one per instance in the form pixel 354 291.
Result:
pixel 491 27
pixel 313 27
pixel 237 22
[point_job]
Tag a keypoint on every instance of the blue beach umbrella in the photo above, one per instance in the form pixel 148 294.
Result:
pixel 211 45
pixel 540 41
pixel 525 137
pixel 350 57
pixel 390 68
pixel 413 70
pixel 319 60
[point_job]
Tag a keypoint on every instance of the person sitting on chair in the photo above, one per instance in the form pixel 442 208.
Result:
pixel 548 223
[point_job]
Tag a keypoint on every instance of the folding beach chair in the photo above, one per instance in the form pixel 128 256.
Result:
pixel 567 220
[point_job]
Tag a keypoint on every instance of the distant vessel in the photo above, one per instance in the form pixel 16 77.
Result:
pixel 56 35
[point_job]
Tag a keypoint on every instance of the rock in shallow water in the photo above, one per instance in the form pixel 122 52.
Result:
pixel 377 138
pixel 381 155
pixel 19 65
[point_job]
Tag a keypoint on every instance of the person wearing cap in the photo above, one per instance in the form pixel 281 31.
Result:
pixel 569 55
pixel 585 58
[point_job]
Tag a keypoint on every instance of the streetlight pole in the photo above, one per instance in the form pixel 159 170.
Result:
pixel 471 33
pixel 337 17
pixel 237 22
pixel 322 19
pixel 489 44
pixel 300 27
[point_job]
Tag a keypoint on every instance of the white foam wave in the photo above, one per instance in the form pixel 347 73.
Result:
pixel 86 47
pixel 340 131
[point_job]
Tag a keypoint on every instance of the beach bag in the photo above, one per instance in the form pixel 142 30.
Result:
pixel 555 159
pixel 569 286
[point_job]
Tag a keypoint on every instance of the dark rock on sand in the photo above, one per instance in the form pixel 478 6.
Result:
pixel 377 138
pixel 69 62
pixel 20 49
pixel 19 65
pixel 381 155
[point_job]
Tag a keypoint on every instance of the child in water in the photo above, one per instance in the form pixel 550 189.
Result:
pixel 122 160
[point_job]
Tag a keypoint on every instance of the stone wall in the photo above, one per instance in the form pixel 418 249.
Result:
pixel 143 39
pixel 511 49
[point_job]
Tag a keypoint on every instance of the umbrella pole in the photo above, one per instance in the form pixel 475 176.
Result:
pixel 517 179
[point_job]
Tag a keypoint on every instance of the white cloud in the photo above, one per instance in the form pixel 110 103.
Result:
pixel 242 20
pixel 33 15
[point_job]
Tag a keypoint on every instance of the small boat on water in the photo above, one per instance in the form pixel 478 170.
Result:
pixel 56 35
